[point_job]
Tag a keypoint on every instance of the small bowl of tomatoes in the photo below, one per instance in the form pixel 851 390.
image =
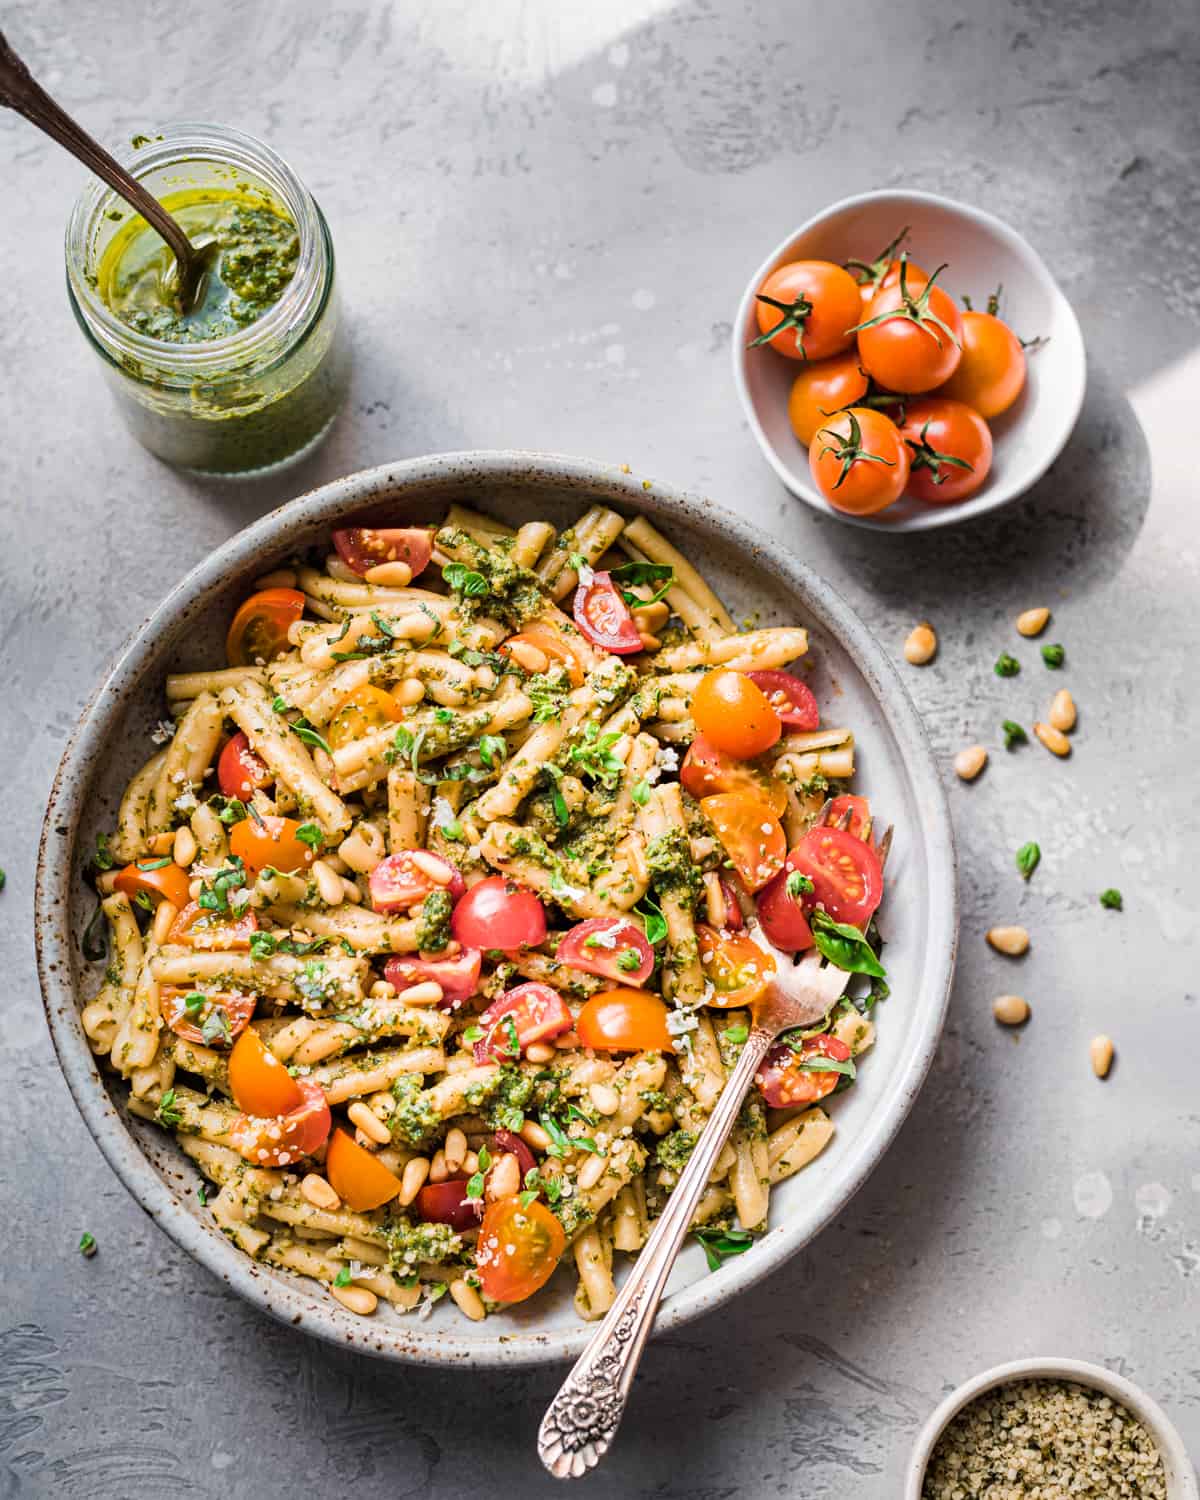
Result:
pixel 907 362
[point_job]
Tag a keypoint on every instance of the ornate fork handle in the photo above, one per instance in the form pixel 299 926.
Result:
pixel 583 1418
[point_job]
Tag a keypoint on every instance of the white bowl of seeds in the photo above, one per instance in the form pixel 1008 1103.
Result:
pixel 1037 1429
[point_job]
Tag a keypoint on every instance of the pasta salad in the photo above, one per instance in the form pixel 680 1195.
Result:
pixel 424 923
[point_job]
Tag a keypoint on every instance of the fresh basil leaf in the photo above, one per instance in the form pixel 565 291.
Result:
pixel 1111 899
pixel 464 580
pixel 661 576
pixel 720 1244
pixel 653 919
pixel 845 946
pixel 310 834
pixel 1028 858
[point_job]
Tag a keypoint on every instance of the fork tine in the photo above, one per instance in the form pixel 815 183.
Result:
pixel 844 821
pixel 865 831
pixel 885 847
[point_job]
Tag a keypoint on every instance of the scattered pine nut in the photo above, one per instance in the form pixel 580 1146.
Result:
pixel 534 1135
pixel 527 655
pixel 539 1052
pixel 428 992
pixel 1011 940
pixel 357 1299
pixel 161 843
pixel 504 1180
pixel 470 1163
pixel 1010 1010
pixel 392 575
pixel 408 692
pixel 1101 1053
pixel 1062 711
pixel 164 915
pixel 319 1192
pixel 438 1171
pixel 1053 739
pixel 921 645
pixel 969 762
pixel 369 1123
pixel 1033 621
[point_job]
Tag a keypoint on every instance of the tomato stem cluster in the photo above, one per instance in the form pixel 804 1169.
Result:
pixel 875 270
pixel 795 314
pixel 850 449
pixel 915 308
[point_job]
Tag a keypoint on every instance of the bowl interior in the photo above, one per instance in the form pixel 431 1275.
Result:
pixel 852 679
pixel 982 253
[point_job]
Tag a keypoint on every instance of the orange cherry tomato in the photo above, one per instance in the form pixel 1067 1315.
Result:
pixel 807 309
pixel 280 1140
pixel 156 876
pixel 735 966
pixel 623 1020
pixel 859 461
pixel 232 1007
pixel 259 631
pixel 911 337
pixel 785 1079
pixel 258 1081
pixel 359 1179
pixel 365 709
pixel 271 842
pixel 518 1248
pixel 706 771
pixel 735 714
pixel 991 372
pixel 212 930
pixel 950 447
pixel 750 833
pixel 821 389
pixel 562 644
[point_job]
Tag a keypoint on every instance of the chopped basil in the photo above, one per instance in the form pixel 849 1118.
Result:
pixel 492 748
pixel 230 810
pixel 1111 899
pixel 526 1198
pixel 736 1034
pixel 202 1194
pixel 464 581
pixel 87 1244
pixel 216 1027
pixel 304 732
pixel 845 946
pixel 147 865
pixel 641 792
pixel 628 960
pixel 1006 665
pixel 195 1003
pixel 1028 858
pixel 168 1113
pixel 1013 734
pixel 798 885
pixel 442 715
pixel 654 921
pixel 827 1065
pixel 661 577
pixel 452 831
pixel 343 1277
pixel 262 944
pixel 1053 656
pixel 104 859
pixel 310 834
pixel 720 1244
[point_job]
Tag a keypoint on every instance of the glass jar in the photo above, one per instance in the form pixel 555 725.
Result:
pixel 257 397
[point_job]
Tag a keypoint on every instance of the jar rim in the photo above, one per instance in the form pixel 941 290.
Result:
pixel 175 144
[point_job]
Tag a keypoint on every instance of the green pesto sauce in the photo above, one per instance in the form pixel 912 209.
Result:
pixel 257 247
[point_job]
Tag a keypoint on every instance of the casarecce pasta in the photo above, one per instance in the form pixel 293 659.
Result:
pixel 425 918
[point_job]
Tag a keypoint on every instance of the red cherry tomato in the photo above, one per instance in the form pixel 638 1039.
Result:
pixel 784 1081
pixel 736 967
pixel 846 874
pixel 859 461
pixel 807 309
pixel 359 1179
pixel 784 917
pixel 706 771
pixel 858 808
pixel 624 1021
pixel 458 976
pixel 791 699
pixel 240 772
pixel 259 1082
pixel 259 842
pixel 603 616
pixel 950 447
pixel 188 1022
pixel 991 373
pixel 734 921
pixel 259 630
pixel 157 877
pixel 822 388
pixel 750 833
pixel 911 337
pixel 405 878
pixel 518 1249
pixel 506 1141
pixel 364 547
pixel 609 946
pixel 529 1013
pixel 733 713
pixel 212 930
pixel 447 1203
pixel 280 1140
pixel 498 913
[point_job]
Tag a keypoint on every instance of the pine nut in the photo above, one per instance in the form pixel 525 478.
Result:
pixel 567 1042
pixel 440 871
pixel 969 762
pixel 485 678
pixel 428 992
pixel 1010 1010
pixel 504 1180
pixel 438 1171
pixel 591 1172
pixel 382 990
pixel 319 1192
pixel 1053 739
pixel 409 692
pixel 533 1135
pixel 413 1180
pixel 470 1163
pixel 1062 710
pixel 1101 1053
pixel 468 1300
pixel 649 642
pixel 1011 940
pixel 356 1299
pixel 351 892
pixel 527 655
pixel 921 645
pixel 605 1098
pixel 184 847
pixel 539 1052
pixel 340 570
pixel 1033 621
pixel 369 1123
pixel 161 843
pixel 329 885
pixel 651 617
pixel 455 1149
pixel 390 575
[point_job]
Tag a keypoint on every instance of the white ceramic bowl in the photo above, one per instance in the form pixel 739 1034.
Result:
pixel 1181 1477
pixel 981 252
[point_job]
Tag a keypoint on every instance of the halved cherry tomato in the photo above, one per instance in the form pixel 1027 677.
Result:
pixel 447 1203
pixel 560 643
pixel 518 1249
pixel 846 874
pixel 784 917
pixel 807 309
pixel 458 976
pixel 365 709
pixel 405 878
pixel 359 1179
pixel 280 1140
pixel 858 808
pixel 499 913
pixel 213 930
pixel 734 921
pixel 991 373
pixel 609 946
pixel 259 631
pixel 750 833
pixel 624 1021
pixel 859 461
pixel 735 966
pixel 270 841
pixel 603 616
pixel 506 1140
pixel 259 1082
pixel 528 1013
pixel 911 337
pixel 950 447
pixel 822 388
pixel 783 1081
pixel 791 699
pixel 732 712
pixel 365 547
pixel 156 876
pixel 706 771
pixel 240 772
pixel 189 1023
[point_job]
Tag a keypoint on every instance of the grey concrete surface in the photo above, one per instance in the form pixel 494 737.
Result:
pixel 545 213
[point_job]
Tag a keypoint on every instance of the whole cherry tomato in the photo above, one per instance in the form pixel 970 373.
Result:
pixel 807 309
pixel 991 373
pixel 950 447
pixel 821 389
pixel 911 337
pixel 624 1020
pixel 884 270
pixel 733 713
pixel 859 462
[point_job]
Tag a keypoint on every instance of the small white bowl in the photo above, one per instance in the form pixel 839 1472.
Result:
pixel 982 252
pixel 1181 1477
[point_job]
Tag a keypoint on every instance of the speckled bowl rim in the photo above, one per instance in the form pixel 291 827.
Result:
pixel 934 516
pixel 1181 1476
pixel 407 1340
